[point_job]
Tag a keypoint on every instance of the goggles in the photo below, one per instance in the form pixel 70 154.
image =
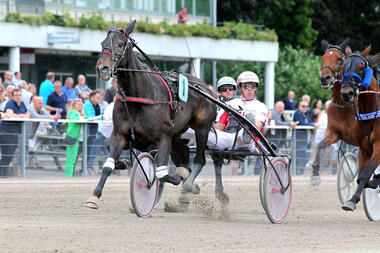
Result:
pixel 226 88
pixel 249 85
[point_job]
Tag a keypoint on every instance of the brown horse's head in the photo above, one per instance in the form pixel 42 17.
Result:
pixel 332 61
pixel 356 75
pixel 114 47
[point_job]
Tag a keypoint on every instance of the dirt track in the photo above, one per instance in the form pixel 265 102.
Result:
pixel 49 216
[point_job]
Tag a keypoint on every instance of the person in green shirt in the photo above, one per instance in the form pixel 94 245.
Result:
pixel 74 131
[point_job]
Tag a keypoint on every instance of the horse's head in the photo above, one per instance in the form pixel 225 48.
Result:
pixel 114 47
pixel 332 61
pixel 356 75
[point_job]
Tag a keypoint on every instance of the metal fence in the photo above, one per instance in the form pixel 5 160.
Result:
pixel 44 154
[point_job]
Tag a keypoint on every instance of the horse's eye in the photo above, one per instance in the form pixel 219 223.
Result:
pixel 121 44
pixel 340 60
pixel 361 69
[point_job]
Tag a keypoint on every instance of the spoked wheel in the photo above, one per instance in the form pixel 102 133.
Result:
pixel 347 175
pixel 276 200
pixel 371 201
pixel 261 186
pixel 160 192
pixel 153 153
pixel 143 197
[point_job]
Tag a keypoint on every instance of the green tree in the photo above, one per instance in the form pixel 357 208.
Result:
pixel 297 69
pixel 291 19
pixel 359 19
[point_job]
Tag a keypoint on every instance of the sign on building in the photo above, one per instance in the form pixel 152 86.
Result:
pixel 70 37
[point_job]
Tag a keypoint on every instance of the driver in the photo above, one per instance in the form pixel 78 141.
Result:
pixel 227 88
pixel 248 105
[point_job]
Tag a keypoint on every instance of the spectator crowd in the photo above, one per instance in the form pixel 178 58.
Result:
pixel 54 100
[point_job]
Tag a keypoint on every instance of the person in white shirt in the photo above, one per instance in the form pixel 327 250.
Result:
pixel 226 126
pixel 106 129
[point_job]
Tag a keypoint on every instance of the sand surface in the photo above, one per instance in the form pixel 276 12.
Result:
pixel 48 215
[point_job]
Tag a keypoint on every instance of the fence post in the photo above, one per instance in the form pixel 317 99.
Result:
pixel 294 153
pixel 84 159
pixel 23 140
pixel 245 166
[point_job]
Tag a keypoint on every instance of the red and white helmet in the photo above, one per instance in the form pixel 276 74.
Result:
pixel 247 77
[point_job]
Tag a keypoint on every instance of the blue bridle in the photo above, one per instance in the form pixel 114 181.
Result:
pixel 356 81
pixel 350 77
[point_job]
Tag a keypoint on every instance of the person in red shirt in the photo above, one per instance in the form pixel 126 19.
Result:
pixel 182 16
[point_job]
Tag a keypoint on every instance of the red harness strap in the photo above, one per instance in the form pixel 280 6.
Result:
pixel 167 89
pixel 135 99
pixel 148 100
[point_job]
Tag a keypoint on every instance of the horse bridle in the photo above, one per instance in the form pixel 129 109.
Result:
pixel 108 49
pixel 335 72
pixel 350 77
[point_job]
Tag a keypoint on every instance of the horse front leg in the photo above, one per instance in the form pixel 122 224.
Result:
pixel 118 142
pixel 367 165
pixel 329 139
pixel 161 162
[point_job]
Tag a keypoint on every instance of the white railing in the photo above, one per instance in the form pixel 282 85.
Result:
pixel 59 151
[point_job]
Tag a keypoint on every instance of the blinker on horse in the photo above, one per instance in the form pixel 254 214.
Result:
pixel 143 115
pixel 358 82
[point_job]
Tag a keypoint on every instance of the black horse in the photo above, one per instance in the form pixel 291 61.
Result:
pixel 143 114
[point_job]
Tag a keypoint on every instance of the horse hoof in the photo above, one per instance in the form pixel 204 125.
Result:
pixel 171 207
pixel 191 187
pixel 184 197
pixel 196 189
pixel 315 180
pixel 92 202
pixel 187 185
pixel 349 206
pixel 223 198
pixel 182 172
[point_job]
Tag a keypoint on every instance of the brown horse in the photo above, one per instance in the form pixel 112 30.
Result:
pixel 341 124
pixel 144 115
pixel 359 82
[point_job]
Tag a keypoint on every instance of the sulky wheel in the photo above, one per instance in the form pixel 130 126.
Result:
pixel 261 185
pixel 277 199
pixel 347 176
pixel 160 192
pixel 371 201
pixel 143 197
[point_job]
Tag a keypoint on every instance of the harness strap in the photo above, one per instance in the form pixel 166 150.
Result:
pixel 135 99
pixel 167 89
pixel 368 116
pixel 343 106
pixel 106 52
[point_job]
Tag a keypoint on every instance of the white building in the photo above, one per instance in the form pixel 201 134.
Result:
pixel 36 50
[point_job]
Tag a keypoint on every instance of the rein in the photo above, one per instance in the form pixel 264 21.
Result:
pixel 369 92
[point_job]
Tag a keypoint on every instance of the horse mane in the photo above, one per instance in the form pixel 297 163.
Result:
pixel 142 60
